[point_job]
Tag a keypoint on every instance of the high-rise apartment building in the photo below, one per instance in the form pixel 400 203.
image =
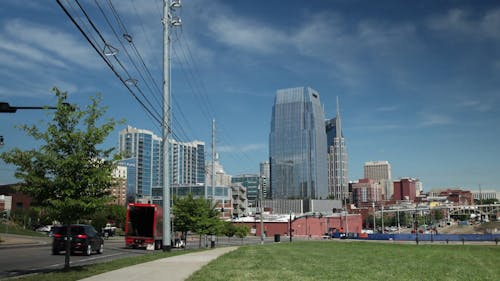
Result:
pixel 297 146
pixel 187 164
pixel 145 148
pixel 381 171
pixel 338 182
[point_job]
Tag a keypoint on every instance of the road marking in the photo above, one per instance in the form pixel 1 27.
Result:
pixel 79 261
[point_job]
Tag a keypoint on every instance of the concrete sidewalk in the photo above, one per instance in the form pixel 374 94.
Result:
pixel 175 268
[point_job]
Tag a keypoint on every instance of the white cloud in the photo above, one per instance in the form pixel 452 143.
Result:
pixel 247 35
pixel 490 24
pixel 52 43
pixel 429 119
pixel 387 108
pixel 477 105
pixel 23 55
pixel 461 22
pixel 242 148
pixel 383 127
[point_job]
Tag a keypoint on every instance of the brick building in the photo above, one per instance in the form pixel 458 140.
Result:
pixel 366 191
pixel 458 196
pixel 405 189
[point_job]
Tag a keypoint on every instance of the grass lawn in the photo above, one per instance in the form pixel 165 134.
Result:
pixel 327 260
pixel 14 229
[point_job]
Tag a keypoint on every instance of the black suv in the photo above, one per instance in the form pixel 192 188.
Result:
pixel 84 238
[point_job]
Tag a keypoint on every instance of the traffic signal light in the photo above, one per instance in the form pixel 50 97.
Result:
pixel 1 140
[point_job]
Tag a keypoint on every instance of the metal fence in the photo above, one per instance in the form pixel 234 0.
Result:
pixel 434 237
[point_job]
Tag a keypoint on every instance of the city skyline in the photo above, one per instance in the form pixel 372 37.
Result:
pixel 417 81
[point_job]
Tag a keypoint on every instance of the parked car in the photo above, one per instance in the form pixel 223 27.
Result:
pixel 84 239
pixel 46 228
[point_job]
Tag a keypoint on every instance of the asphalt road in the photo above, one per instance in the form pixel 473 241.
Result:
pixel 24 259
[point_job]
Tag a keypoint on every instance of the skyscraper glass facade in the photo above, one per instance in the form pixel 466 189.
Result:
pixel 338 183
pixel 143 148
pixel 297 146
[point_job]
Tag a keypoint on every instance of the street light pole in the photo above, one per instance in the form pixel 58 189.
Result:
pixel 262 234
pixel 291 230
pixel 5 107
pixel 374 223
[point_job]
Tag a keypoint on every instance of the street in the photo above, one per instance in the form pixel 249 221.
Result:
pixel 26 259
pixel 21 260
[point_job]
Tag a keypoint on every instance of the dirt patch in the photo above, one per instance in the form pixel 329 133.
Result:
pixel 485 228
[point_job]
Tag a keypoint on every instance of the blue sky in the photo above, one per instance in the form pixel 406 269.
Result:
pixel 418 81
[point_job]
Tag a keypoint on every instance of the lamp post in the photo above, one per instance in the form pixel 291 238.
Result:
pixel 262 234
pixel 382 209
pixel 374 222
pixel 291 230
pixel 5 107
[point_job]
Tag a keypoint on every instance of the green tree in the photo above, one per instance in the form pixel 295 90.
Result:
pixel 114 214
pixel 486 201
pixel 229 229
pixel 242 231
pixel 68 175
pixel 196 215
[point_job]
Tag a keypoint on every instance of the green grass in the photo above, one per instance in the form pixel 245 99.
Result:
pixel 327 260
pixel 80 272
pixel 14 229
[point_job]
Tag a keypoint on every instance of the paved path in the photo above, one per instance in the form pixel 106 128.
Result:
pixel 175 268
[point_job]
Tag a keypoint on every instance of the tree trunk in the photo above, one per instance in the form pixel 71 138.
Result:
pixel 67 244
pixel 185 240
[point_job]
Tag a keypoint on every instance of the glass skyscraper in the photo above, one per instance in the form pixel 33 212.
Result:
pixel 297 146
pixel 145 148
pixel 338 183
pixel 145 161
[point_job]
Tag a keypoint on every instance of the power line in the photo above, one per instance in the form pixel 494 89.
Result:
pixel 133 63
pixel 107 62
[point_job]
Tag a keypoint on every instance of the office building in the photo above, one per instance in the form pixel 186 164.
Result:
pixel 338 183
pixel 380 171
pixel 119 189
pixel 239 200
pixel 405 189
pixel 481 195
pixel 297 146
pixel 221 177
pixel 251 184
pixel 366 191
